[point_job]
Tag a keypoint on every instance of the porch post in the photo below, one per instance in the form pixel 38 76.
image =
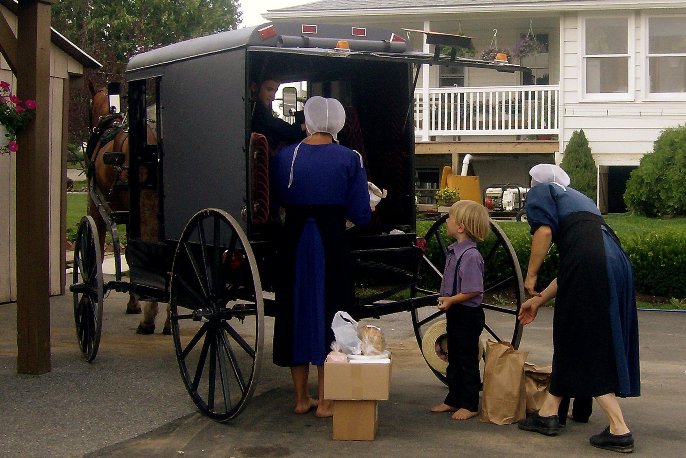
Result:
pixel 425 89
pixel 33 192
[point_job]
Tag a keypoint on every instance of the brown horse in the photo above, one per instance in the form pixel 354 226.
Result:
pixel 108 134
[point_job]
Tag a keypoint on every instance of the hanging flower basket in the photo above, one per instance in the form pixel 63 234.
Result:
pixel 527 45
pixel 15 113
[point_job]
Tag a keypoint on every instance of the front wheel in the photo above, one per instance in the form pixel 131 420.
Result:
pixel 87 287
pixel 217 314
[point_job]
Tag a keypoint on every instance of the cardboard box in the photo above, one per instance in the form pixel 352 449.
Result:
pixel 355 420
pixel 357 381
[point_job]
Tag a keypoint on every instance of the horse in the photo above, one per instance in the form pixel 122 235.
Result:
pixel 109 134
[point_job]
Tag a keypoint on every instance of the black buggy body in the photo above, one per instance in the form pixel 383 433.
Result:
pixel 213 257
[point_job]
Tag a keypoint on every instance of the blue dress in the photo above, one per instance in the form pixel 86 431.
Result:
pixel 320 188
pixel 595 325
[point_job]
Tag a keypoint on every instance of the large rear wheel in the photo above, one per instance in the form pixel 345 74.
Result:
pixel 217 314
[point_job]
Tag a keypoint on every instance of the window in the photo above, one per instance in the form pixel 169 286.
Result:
pixel 667 55
pixel 606 58
pixel 451 76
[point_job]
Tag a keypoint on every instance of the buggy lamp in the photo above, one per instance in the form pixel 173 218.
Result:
pixel 342 46
pixel 420 242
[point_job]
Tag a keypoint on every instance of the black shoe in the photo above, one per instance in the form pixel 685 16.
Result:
pixel 623 443
pixel 549 426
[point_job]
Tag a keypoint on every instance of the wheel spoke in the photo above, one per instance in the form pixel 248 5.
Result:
pixel 212 370
pixel 203 251
pixel 201 364
pixel 223 372
pixel 194 266
pixel 201 332
pixel 239 340
pixel 234 363
pixel 201 300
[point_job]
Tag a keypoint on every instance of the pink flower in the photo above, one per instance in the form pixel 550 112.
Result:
pixel 13 146
pixel 4 85
pixel 19 108
pixel 14 99
pixel 30 104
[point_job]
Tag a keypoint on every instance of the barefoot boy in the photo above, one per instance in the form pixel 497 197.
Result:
pixel 461 296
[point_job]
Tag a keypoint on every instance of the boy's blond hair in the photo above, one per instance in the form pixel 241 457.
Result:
pixel 473 216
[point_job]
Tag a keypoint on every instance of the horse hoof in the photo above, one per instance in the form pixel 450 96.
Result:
pixel 145 329
pixel 166 331
pixel 133 310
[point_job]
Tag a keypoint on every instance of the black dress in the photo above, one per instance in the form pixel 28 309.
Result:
pixel 275 129
pixel 595 325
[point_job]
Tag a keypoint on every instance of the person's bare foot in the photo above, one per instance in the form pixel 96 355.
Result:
pixel 324 409
pixel 443 407
pixel 464 414
pixel 306 406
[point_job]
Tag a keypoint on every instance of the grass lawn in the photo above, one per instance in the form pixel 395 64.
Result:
pixel 77 207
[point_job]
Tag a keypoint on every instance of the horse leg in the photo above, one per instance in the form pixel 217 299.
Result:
pixel 147 324
pixel 133 307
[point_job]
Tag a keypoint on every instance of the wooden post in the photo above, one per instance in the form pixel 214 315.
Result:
pixel 33 196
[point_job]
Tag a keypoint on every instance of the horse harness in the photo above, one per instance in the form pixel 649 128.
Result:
pixel 106 131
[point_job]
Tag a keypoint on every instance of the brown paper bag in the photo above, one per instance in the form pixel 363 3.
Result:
pixel 504 394
pixel 537 379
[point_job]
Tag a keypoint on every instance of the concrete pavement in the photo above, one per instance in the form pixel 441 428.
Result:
pixel 131 401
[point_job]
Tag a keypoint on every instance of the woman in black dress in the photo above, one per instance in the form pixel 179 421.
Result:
pixel 595 325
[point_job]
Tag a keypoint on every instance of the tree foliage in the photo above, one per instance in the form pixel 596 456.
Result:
pixel 112 31
pixel 579 164
pixel 657 187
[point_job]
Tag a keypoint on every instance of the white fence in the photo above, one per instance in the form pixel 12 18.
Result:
pixel 501 110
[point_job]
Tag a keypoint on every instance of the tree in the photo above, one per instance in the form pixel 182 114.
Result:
pixel 113 31
pixel 579 164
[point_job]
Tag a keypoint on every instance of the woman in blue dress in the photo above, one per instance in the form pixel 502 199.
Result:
pixel 320 184
pixel 595 324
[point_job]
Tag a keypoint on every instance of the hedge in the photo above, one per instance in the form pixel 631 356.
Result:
pixel 657 249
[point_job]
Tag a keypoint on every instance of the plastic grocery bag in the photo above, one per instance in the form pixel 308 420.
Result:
pixel 345 329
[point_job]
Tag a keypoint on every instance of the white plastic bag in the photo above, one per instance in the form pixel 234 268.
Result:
pixel 375 194
pixel 345 329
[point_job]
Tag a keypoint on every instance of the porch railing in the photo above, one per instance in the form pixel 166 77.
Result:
pixel 498 110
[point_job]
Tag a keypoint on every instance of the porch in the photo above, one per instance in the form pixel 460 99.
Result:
pixel 525 112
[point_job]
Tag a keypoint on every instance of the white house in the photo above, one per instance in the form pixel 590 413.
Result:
pixel 614 68
pixel 67 62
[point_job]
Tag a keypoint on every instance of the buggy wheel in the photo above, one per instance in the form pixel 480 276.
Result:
pixel 521 215
pixel 503 290
pixel 87 287
pixel 217 314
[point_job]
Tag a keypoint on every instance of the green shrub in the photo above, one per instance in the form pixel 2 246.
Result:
pixel 579 164
pixel 657 187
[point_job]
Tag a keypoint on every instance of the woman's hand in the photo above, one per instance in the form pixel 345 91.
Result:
pixel 528 311
pixel 530 284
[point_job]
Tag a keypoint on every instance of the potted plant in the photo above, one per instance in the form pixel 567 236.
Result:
pixel 14 114
pixel 496 54
pixel 447 196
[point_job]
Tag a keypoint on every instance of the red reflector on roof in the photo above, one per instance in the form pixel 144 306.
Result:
pixel 309 28
pixel 397 38
pixel 267 32
pixel 359 32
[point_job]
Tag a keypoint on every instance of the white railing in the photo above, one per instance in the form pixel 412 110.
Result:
pixel 501 110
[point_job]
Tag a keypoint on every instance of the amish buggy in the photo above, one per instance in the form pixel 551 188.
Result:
pixel 212 251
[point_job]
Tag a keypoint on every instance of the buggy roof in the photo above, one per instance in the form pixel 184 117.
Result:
pixel 303 39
